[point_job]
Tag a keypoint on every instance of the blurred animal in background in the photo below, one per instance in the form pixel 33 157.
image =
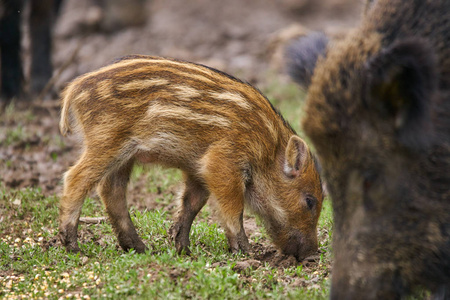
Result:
pixel 107 16
pixel 378 114
pixel 41 19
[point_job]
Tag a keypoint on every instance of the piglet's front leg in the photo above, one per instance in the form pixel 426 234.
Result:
pixel 225 181
pixel 237 239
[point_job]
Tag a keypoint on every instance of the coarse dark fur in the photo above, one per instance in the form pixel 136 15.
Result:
pixel 378 114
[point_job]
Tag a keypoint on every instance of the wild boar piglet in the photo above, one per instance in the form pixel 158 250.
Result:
pixel 223 134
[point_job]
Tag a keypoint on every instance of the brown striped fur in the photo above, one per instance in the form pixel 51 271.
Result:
pixel 221 132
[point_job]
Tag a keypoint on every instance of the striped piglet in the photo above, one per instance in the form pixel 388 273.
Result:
pixel 222 133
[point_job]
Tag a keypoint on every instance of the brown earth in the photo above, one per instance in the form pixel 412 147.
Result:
pixel 244 38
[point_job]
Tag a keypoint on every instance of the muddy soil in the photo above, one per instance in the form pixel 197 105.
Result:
pixel 243 38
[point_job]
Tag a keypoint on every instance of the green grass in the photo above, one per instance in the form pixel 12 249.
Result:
pixel 31 268
pixel 13 134
pixel 22 129
pixel 158 180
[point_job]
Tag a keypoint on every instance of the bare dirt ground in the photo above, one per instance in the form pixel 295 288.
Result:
pixel 243 38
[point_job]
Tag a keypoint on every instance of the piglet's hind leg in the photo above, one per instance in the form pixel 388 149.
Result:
pixel 193 199
pixel 78 182
pixel 112 190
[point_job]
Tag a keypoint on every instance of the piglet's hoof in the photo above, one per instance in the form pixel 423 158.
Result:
pixel 70 245
pixel 131 241
pixel 181 242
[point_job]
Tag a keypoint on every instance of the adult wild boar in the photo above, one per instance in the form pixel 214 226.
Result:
pixel 377 112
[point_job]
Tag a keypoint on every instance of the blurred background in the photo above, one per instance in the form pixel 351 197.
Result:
pixel 244 38
pixel 239 37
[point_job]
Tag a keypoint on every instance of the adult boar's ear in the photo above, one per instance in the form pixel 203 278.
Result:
pixel 302 56
pixel 295 157
pixel 401 81
pixel 368 6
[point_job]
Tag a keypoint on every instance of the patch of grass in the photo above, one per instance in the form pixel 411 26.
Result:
pixel 12 129
pixel 13 115
pixel 30 267
pixel 159 178
pixel 14 135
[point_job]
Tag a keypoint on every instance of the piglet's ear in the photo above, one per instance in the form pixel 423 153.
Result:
pixel 401 82
pixel 296 156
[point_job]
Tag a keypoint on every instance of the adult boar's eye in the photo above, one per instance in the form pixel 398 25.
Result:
pixel 369 179
pixel 310 202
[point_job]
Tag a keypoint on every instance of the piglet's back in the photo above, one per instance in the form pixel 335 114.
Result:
pixel 156 100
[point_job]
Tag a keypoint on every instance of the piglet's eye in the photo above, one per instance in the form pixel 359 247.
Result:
pixel 310 202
